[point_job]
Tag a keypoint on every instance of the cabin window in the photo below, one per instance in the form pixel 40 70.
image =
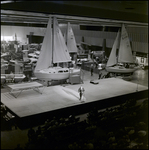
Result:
pixel 60 71
pixel 65 70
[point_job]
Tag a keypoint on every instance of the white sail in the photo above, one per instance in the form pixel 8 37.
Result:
pixel 60 51
pixel 112 58
pixel 65 37
pixel 70 39
pixel 54 50
pixel 125 53
pixel 45 57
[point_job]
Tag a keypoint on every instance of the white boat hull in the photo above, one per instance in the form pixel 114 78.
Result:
pixel 56 73
pixel 51 76
pixel 74 71
pixel 3 79
pixel 19 77
pixel 14 77
pixel 118 69
pixel 4 66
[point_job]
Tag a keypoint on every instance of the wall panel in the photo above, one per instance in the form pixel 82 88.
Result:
pixel 138 35
pixel 94 41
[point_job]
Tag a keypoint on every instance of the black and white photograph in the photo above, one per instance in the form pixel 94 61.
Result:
pixel 74 74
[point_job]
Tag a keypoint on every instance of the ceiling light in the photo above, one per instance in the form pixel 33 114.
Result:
pixel 3 2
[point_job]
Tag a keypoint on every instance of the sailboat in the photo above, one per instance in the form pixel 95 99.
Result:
pixel 4 64
pixel 124 54
pixel 72 46
pixel 70 40
pixel 53 52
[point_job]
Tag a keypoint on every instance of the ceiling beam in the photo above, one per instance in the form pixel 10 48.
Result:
pixel 41 18
pixel 93 9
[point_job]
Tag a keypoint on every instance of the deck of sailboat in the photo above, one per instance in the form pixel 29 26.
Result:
pixel 63 99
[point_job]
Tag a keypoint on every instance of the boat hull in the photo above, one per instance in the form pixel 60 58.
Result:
pixel 3 79
pixel 74 71
pixel 4 66
pixel 14 77
pixel 55 74
pixel 51 76
pixel 19 77
pixel 118 69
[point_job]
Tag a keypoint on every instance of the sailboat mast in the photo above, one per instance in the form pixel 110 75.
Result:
pixel 118 55
pixel 67 34
pixel 118 43
pixel 52 23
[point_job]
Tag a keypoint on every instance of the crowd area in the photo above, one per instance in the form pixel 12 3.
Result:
pixel 121 127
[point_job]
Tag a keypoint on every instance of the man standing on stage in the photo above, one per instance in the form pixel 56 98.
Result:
pixel 81 91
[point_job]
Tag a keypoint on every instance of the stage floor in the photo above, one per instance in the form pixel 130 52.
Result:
pixel 56 97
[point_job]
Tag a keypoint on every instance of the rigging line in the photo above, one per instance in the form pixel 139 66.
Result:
pixel 52 20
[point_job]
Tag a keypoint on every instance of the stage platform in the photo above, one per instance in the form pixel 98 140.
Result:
pixel 64 98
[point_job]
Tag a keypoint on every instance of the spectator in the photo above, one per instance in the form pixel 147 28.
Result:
pixel 92 67
pixel 100 74
pixel 4 112
pixel 107 75
pixel 18 147
pixel 126 65
pixel 38 131
pixel 31 134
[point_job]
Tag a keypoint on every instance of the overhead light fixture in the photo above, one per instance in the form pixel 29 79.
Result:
pixel 3 2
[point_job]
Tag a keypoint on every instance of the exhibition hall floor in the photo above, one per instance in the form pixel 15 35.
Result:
pixel 56 97
pixel 30 103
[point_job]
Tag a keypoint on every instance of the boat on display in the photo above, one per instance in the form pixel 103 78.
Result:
pixel 3 55
pixel 6 56
pixel 3 79
pixel 12 77
pixel 71 45
pixel 53 52
pixel 35 54
pixel 4 64
pixel 70 39
pixel 18 78
pixel 32 55
pixel 116 63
